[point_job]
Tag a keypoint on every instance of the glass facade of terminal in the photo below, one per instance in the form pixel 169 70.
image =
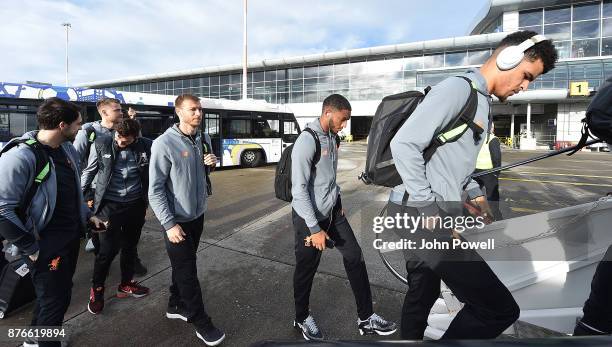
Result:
pixel 358 80
pixel 580 31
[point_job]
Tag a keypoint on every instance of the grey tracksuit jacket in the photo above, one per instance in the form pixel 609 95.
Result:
pixel 81 140
pixel 314 192
pixel 18 169
pixel 447 174
pixel 177 177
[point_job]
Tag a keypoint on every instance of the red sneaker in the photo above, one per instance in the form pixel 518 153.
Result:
pixel 132 288
pixel 96 300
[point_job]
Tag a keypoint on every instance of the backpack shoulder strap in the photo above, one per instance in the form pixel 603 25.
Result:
pixel 90 134
pixel 453 130
pixel 317 155
pixel 42 171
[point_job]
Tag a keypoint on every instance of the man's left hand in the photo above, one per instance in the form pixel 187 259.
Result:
pixel 210 160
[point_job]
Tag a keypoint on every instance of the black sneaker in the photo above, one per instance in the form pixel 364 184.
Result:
pixel 583 329
pixel 176 312
pixel 376 324
pixel 139 269
pixel 30 342
pixel 309 328
pixel 208 333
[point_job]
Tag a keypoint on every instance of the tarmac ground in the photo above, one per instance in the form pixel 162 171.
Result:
pixel 246 259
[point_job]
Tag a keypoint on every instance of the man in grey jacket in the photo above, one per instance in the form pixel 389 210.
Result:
pixel 178 196
pixel 430 188
pixel 111 114
pixel 48 231
pixel 121 166
pixel 318 219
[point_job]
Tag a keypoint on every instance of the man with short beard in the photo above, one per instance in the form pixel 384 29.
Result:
pixel 178 196
pixel 430 187
pixel 48 232
pixel 318 219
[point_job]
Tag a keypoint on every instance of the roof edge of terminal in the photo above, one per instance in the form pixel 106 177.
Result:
pixel 403 48
pixel 496 8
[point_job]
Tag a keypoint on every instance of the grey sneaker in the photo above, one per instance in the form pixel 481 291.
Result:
pixel 309 328
pixel 376 324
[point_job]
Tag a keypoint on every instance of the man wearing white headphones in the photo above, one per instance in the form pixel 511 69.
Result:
pixel 430 187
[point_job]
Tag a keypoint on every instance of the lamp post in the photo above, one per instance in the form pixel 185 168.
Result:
pixel 244 52
pixel 67 26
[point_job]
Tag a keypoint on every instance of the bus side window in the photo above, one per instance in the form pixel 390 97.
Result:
pixel 266 126
pixel 237 126
pixel 211 124
pixel 290 128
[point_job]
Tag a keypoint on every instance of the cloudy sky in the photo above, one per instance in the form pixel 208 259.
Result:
pixel 120 38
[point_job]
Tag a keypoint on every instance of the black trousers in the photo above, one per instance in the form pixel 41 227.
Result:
pixel 52 279
pixel 185 290
pixel 598 307
pixel 489 306
pixel 307 261
pixel 125 222
pixel 490 183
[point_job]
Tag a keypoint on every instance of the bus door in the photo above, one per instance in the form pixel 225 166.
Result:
pixel 212 126
pixel 290 130
pixel 266 132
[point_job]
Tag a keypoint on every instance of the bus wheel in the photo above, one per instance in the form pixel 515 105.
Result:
pixel 251 158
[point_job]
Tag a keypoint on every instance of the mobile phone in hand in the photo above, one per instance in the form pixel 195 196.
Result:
pixel 93 227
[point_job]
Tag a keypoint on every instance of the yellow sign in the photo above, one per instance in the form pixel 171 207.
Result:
pixel 579 89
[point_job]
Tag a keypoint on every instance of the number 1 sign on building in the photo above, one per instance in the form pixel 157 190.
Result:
pixel 579 89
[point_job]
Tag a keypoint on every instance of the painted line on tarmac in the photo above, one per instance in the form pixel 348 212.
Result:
pixel 556 182
pixel 581 169
pixel 523 209
pixel 559 174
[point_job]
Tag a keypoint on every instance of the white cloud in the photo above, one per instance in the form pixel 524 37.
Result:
pixel 120 38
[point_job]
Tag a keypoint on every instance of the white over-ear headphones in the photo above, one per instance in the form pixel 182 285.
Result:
pixel 511 56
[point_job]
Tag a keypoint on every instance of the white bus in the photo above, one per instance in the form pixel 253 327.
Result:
pixel 243 133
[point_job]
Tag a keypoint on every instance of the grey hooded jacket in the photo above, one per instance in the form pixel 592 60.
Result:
pixel 448 172
pixel 314 191
pixel 81 141
pixel 177 178
pixel 17 169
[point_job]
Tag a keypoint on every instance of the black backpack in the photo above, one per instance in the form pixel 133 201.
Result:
pixel 598 120
pixel 282 177
pixel 390 116
pixel 43 168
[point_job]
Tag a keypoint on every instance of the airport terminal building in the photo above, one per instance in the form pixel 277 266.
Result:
pixel 546 116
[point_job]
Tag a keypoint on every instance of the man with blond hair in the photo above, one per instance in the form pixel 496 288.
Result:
pixel 178 196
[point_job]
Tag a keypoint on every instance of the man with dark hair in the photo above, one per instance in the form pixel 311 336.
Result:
pixel 545 52
pixel 48 228
pixel 111 114
pixel 121 167
pixel 336 102
pixel 319 221
pixel 178 196
pixel 430 188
